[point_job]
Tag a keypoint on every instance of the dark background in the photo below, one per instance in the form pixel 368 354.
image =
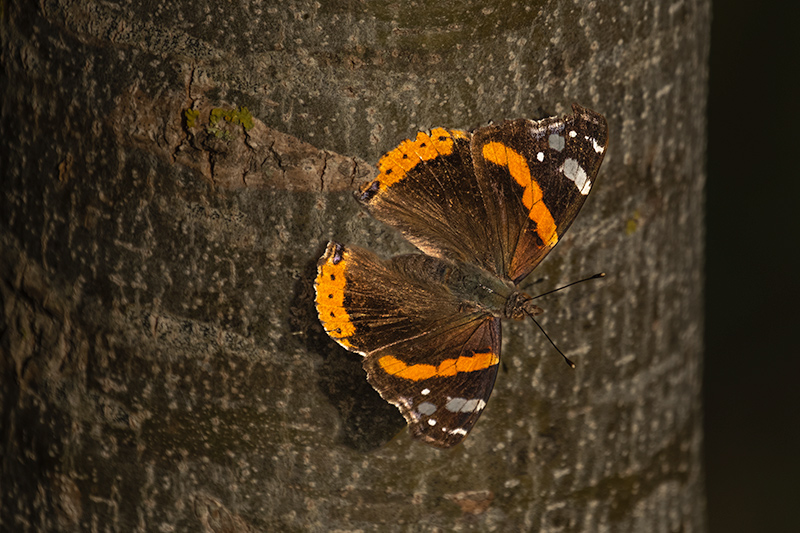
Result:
pixel 752 364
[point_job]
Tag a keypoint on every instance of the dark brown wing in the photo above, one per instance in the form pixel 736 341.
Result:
pixel 500 198
pixel 424 351
pixel 428 190
pixel 534 177
pixel 441 399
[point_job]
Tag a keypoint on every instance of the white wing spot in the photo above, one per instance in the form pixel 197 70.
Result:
pixel 431 422
pixel 462 405
pixel 458 431
pixel 425 392
pixel 474 405
pixel 573 170
pixel 556 141
pixel 426 408
pixel 540 156
pixel 455 404
pixel 573 134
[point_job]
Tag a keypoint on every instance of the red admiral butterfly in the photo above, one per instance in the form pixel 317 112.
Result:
pixel 484 208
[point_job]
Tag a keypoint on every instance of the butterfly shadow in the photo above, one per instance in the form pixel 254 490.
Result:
pixel 367 420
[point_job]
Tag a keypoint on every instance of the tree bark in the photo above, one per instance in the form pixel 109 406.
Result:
pixel 171 172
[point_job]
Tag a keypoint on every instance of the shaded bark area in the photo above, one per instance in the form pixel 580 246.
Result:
pixel 171 173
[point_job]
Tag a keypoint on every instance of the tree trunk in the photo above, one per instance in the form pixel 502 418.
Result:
pixel 171 173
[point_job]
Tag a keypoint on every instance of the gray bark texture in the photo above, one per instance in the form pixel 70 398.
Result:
pixel 171 172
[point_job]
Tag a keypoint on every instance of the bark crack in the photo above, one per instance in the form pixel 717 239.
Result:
pixel 325 156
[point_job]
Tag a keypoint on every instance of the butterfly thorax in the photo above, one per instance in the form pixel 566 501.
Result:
pixel 478 289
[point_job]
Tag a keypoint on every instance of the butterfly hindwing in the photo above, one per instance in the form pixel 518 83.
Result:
pixel 366 303
pixel 427 189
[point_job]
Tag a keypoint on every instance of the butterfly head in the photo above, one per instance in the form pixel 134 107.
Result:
pixel 519 305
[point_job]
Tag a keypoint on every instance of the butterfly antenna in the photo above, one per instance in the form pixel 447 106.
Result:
pixel 596 276
pixel 567 359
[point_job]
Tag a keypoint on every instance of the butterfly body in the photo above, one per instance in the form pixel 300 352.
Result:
pixel 476 289
pixel 484 208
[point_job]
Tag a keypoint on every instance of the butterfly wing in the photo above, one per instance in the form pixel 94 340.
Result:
pixel 427 189
pixel 534 176
pixel 443 397
pixel 425 352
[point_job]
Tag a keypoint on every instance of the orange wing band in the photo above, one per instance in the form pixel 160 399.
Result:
pixel 502 155
pixel 449 367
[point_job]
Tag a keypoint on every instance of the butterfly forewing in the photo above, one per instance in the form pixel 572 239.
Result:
pixel 424 352
pixel 534 177
pixel 441 395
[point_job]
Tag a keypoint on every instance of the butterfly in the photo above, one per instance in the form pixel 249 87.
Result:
pixel 484 208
